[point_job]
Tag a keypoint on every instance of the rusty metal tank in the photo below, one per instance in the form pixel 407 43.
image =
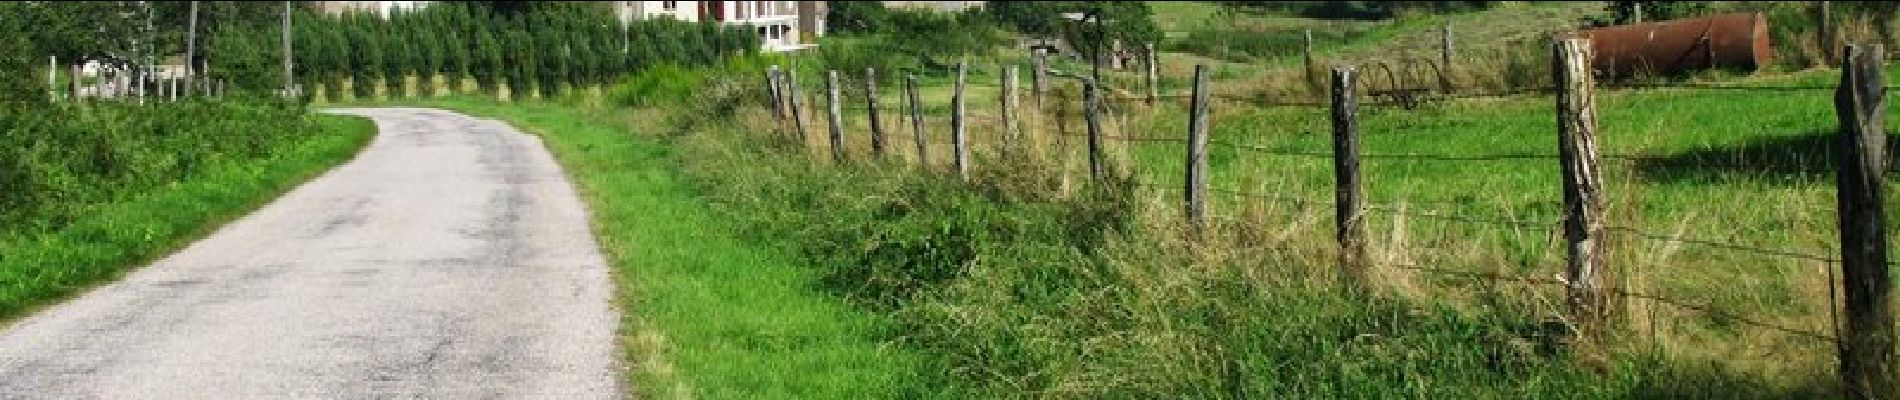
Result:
pixel 1734 40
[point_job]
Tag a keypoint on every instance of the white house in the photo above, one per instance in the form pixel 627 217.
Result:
pixel 939 6
pixel 381 8
pixel 781 25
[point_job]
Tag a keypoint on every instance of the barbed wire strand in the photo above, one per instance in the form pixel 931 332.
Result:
pixel 1724 245
pixel 1429 157
pixel 1613 290
pixel 1432 214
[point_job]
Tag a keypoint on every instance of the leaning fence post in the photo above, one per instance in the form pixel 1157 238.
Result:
pixel 798 118
pixel 1348 205
pixel 917 120
pixel 1583 190
pixel 1153 73
pixel 772 93
pixel 836 115
pixel 1091 105
pixel 870 98
pixel 1867 345
pixel 1197 155
pixel 1011 140
pixel 957 134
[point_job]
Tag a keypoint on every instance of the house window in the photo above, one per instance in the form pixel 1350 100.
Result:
pixel 765 7
pixel 670 5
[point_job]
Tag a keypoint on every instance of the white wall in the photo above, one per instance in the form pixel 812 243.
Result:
pixel 683 10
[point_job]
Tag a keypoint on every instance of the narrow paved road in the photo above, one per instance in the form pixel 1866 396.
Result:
pixel 451 259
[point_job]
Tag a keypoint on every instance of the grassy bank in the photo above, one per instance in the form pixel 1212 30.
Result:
pixel 1015 287
pixel 706 314
pixel 96 191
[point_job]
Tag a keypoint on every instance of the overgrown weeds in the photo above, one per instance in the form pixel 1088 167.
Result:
pixel 1015 287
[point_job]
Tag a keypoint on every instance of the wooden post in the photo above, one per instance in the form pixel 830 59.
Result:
pixel 1349 205
pixel 1038 88
pixel 1583 187
pixel 1039 78
pixel 1091 104
pixel 1011 140
pixel 1197 155
pixel 798 118
pixel 837 116
pixel 52 78
pixel 1306 54
pixel 1153 73
pixel 877 127
pixel 1867 345
pixel 78 72
pixel 191 48
pixel 917 120
pixel 1826 17
pixel 957 133
pixel 777 98
pixel 1445 65
pixel 290 82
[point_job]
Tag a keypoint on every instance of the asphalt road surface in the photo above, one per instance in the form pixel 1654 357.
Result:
pixel 451 259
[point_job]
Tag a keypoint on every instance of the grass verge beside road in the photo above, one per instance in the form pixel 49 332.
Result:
pixel 705 314
pixel 43 264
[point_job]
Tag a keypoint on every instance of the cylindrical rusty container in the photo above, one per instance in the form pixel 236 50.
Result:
pixel 1734 40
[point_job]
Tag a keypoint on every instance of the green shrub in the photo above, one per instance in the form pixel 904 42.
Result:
pixel 660 85
pixel 66 158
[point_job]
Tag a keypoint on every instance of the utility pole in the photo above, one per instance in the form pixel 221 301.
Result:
pixel 191 46
pixel 290 83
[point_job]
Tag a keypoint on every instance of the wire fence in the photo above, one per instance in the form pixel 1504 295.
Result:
pixel 1702 308
pixel 1114 101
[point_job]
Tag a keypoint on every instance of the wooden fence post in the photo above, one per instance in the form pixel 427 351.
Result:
pixel 957 134
pixel 1583 186
pixel 1445 65
pixel 1867 345
pixel 917 120
pixel 1306 54
pixel 1091 103
pixel 52 78
pixel 1011 140
pixel 1153 73
pixel 777 98
pixel 1349 206
pixel 1038 87
pixel 1826 22
pixel 837 116
pixel 798 118
pixel 1197 154
pixel 877 126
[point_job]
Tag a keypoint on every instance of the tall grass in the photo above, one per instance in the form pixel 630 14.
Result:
pixel 94 189
pixel 1011 285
